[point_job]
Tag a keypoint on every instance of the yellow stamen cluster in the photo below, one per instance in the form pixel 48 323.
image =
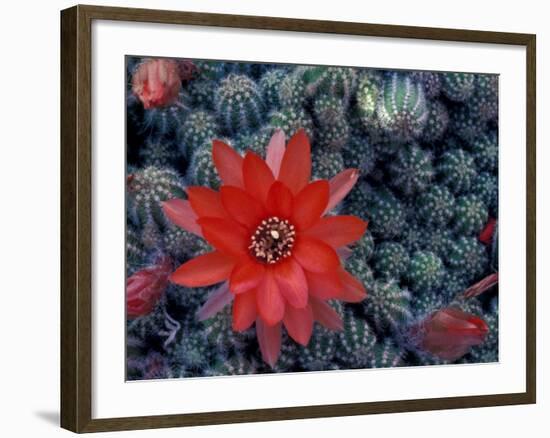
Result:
pixel 273 240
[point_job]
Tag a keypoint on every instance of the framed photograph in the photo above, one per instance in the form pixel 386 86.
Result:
pixel 268 218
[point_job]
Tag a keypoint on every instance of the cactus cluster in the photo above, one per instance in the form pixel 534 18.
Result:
pixel 427 150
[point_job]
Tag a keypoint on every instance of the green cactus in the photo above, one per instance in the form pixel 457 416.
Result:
pixel 200 91
pixel 147 189
pixel 468 257
pixel 386 355
pixel 135 251
pixel 334 135
pixel 270 83
pixel 359 154
pixel 484 101
pixel 465 124
pixel 326 164
pixel 458 86
pixel 425 303
pixel 438 121
pixel 486 187
pixel 158 154
pixel 385 213
pixel 411 171
pixel 199 128
pixel 239 104
pixel 431 82
pixel 471 214
pixel 402 109
pixel 256 142
pixel 485 151
pixel 355 342
pixel 364 247
pixel 438 240
pixel 425 271
pixel 456 169
pixel 292 92
pixel 435 206
pixel 291 120
pixel 390 260
pixel 359 268
pixel 488 351
pixel 337 82
pixel 388 305
pixel 318 355
pixel 369 87
pixel 327 110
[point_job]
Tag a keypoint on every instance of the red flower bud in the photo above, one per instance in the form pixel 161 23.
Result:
pixel 157 82
pixel 486 235
pixel 450 333
pixel 145 287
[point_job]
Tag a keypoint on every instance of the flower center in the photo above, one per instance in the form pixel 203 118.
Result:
pixel 273 240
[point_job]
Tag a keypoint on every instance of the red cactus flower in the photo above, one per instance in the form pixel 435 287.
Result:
pixel 486 235
pixel 450 333
pixel 275 250
pixel 157 82
pixel 145 287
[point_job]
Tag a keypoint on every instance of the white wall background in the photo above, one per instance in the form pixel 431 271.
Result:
pixel 29 220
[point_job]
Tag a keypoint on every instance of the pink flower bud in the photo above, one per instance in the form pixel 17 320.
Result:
pixel 145 287
pixel 450 333
pixel 157 82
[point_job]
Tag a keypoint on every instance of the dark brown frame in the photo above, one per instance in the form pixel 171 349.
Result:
pixel 76 225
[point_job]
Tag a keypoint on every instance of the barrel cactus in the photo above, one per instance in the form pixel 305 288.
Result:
pixel 411 171
pixel 425 271
pixel 291 120
pixel 390 260
pixel 470 214
pixel 239 104
pixel 147 189
pixel 435 205
pixel 402 109
pixel 388 305
pixel 457 170
pixel 458 86
pixel 199 128
pixel 468 257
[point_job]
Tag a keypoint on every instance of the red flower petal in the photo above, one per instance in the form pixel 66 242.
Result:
pixel 206 202
pixel 180 213
pixel 340 186
pixel 241 206
pixel 271 305
pixel 228 163
pixel 215 303
pixel 353 291
pixel 314 255
pixel 299 324
pixel 225 235
pixel 326 315
pixel 450 333
pixel 244 311
pixel 486 235
pixel 296 165
pixel 324 285
pixel 292 282
pixel 269 338
pixel 310 203
pixel 279 200
pixel 204 270
pixel 337 231
pixel 275 152
pixel 258 177
pixel 246 275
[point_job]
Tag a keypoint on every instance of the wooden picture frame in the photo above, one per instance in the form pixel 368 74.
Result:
pixel 76 217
